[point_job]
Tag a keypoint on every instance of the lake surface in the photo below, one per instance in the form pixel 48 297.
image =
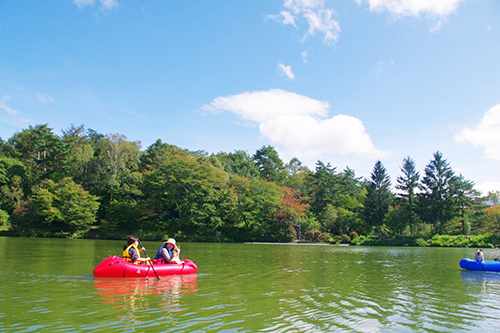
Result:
pixel 46 285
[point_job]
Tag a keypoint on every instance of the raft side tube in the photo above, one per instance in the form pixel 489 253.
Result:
pixel 116 267
pixel 472 265
pixel 111 267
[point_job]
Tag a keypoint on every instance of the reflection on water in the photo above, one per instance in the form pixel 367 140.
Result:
pixel 487 282
pixel 247 288
pixel 131 292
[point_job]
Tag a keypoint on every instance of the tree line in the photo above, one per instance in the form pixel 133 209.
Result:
pixel 87 184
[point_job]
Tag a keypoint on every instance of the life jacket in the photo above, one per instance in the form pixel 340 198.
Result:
pixel 126 256
pixel 160 256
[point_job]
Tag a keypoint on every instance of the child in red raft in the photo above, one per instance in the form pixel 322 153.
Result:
pixel 131 253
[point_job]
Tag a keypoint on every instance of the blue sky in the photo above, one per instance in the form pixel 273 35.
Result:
pixel 346 82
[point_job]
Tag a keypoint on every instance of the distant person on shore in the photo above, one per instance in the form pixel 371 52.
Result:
pixel 131 252
pixel 169 252
pixel 479 256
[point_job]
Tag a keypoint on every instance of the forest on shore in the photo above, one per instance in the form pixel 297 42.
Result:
pixel 84 184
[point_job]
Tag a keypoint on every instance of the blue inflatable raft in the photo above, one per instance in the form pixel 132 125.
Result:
pixel 472 265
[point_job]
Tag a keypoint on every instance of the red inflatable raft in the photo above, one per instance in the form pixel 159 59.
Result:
pixel 116 267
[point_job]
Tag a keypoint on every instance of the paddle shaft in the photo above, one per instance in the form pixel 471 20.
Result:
pixel 150 261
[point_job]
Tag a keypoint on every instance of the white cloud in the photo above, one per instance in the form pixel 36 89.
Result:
pixel 484 188
pixel 7 109
pixel 321 20
pixel 83 3
pixel 415 7
pixel 318 17
pixel 45 98
pixel 286 70
pixel 486 135
pixel 108 4
pixel 436 11
pixel 304 57
pixel 300 5
pixel 288 18
pixel 299 124
pixel 105 4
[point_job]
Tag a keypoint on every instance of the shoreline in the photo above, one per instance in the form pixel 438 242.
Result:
pixel 296 243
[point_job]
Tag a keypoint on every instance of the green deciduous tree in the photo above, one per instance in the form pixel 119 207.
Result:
pixel 4 219
pixel 257 205
pixel 338 220
pixel 239 163
pixel 12 173
pixel 297 175
pixel 80 153
pixel 397 220
pixel 336 199
pixel 493 197
pixel 122 217
pixel 116 168
pixel 187 193
pixel 65 207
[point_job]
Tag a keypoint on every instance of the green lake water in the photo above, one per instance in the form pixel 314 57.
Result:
pixel 46 285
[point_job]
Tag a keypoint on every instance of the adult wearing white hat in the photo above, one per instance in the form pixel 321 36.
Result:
pixel 479 256
pixel 169 252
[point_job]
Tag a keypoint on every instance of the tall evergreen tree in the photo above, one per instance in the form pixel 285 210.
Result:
pixel 41 151
pixel 438 193
pixel 379 196
pixel 466 198
pixel 407 184
pixel 156 154
pixel 323 187
pixel 270 165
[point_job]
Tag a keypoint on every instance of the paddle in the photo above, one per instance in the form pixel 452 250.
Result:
pixel 150 262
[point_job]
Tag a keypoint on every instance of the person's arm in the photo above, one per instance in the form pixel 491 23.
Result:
pixel 135 256
pixel 165 255
pixel 175 255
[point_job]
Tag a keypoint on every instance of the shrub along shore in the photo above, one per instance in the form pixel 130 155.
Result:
pixel 473 241
pixel 477 241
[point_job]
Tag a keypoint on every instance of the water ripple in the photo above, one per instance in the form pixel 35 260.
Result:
pixel 262 288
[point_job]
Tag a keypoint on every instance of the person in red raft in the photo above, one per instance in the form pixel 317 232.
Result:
pixel 131 252
pixel 169 252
